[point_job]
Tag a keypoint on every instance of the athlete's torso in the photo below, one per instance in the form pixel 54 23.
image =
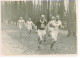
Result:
pixel 29 23
pixel 55 23
pixel 41 25
pixel 21 22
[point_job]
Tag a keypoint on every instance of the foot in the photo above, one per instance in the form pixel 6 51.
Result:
pixel 52 49
pixel 52 45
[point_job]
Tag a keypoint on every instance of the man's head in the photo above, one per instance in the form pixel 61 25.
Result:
pixel 57 17
pixel 20 17
pixel 52 18
pixel 42 17
pixel 29 19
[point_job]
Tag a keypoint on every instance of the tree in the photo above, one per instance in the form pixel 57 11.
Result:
pixel 71 21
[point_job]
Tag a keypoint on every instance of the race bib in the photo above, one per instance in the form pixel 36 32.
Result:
pixel 42 26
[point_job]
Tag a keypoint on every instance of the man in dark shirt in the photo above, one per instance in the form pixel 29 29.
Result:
pixel 41 25
pixel 41 29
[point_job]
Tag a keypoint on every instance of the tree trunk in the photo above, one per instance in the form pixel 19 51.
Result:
pixel 71 21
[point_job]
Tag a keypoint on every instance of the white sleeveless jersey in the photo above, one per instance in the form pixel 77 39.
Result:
pixel 56 24
pixel 29 23
pixel 21 22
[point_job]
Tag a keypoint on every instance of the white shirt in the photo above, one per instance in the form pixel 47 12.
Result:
pixel 21 22
pixel 54 23
pixel 29 23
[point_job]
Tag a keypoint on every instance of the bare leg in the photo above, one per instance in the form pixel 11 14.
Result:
pixel 52 44
pixel 45 38
pixel 39 44
pixel 30 32
pixel 20 32
pixel 39 41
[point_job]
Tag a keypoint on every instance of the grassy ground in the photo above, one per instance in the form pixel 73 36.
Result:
pixel 13 44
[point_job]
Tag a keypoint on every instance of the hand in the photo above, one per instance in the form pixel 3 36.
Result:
pixel 52 26
pixel 62 26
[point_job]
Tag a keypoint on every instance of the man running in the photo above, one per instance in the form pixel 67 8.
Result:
pixel 21 23
pixel 54 28
pixel 29 25
pixel 41 29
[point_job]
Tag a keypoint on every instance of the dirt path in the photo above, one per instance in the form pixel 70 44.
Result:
pixel 13 44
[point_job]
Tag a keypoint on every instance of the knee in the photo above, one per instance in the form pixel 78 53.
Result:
pixel 54 39
pixel 40 37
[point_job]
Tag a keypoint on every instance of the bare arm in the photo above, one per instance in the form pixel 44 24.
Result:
pixel 18 23
pixel 61 25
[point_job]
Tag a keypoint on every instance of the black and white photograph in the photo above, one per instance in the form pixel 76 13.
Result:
pixel 38 27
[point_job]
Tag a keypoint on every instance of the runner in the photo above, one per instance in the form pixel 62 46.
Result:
pixel 21 23
pixel 29 25
pixel 54 28
pixel 41 29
